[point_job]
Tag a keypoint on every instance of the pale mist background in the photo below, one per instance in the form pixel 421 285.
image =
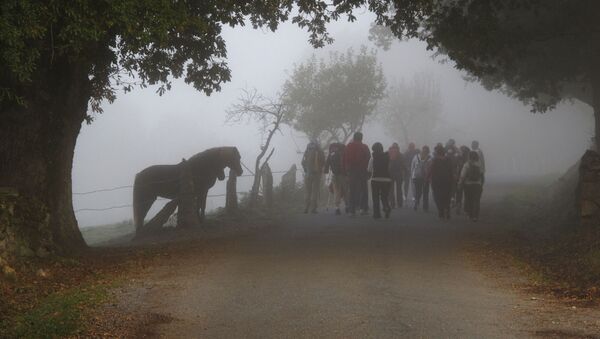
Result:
pixel 142 129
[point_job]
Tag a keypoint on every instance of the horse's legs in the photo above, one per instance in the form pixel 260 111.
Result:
pixel 140 209
pixel 201 201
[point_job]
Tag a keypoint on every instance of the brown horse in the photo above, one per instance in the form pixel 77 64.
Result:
pixel 166 180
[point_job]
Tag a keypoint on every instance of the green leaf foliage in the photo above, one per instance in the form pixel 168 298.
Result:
pixel 330 99
pixel 540 51
pixel 122 44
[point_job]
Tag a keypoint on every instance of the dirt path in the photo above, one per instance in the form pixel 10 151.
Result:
pixel 327 276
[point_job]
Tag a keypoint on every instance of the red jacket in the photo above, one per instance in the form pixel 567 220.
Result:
pixel 356 156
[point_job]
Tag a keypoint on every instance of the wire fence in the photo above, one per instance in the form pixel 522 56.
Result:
pixel 123 187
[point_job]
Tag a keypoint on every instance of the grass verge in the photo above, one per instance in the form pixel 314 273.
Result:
pixel 58 315
pixel 539 228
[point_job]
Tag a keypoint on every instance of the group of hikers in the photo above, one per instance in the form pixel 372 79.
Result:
pixel 455 175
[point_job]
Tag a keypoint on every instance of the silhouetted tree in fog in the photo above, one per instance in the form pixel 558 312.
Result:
pixel 331 99
pixel 270 114
pixel 411 109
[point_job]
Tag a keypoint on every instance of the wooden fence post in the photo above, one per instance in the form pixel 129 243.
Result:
pixel 231 198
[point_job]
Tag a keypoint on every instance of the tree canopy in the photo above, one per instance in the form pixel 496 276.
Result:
pixel 539 51
pixel 134 42
pixel 330 99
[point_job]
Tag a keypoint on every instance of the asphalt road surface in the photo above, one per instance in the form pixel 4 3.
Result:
pixel 339 277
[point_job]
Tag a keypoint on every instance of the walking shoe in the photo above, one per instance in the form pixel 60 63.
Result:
pixel 364 212
pixel 377 216
pixel 337 211
pixel 314 211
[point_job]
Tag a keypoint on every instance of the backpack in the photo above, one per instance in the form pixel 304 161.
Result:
pixel 473 173
pixel 336 162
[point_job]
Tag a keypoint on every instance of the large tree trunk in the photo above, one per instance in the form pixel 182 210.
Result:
pixel 595 81
pixel 596 101
pixel 37 142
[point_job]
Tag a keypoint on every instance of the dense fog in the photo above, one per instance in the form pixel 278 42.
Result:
pixel 141 128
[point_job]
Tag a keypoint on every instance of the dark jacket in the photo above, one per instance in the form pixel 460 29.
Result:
pixel 313 160
pixel 335 162
pixel 381 165
pixel 398 167
pixel 441 172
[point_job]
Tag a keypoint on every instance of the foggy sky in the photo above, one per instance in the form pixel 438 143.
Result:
pixel 142 129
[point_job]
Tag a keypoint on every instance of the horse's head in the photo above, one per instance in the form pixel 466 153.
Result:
pixel 231 158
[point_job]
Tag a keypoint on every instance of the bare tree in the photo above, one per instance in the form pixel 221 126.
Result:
pixel 270 114
pixel 411 109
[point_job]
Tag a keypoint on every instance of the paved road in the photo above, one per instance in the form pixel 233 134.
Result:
pixel 327 276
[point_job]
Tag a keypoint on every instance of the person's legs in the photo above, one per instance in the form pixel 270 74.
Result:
pixel 354 192
pixel 468 191
pixel 418 190
pixel 407 186
pixel 399 193
pixel 337 191
pixel 459 199
pixel 308 187
pixel 376 193
pixel 425 196
pixel 316 186
pixel 386 187
pixel 364 197
pixel 447 202
pixel 392 195
pixel 477 190
pixel 439 203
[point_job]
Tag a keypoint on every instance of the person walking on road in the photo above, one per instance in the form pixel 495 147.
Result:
pixel 313 162
pixel 335 164
pixel 419 168
pixel 408 156
pixel 397 173
pixel 452 153
pixel 441 174
pixel 461 160
pixel 379 168
pixel 472 179
pixel 475 147
pixel 356 161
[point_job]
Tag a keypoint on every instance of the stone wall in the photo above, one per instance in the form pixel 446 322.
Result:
pixel 589 189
